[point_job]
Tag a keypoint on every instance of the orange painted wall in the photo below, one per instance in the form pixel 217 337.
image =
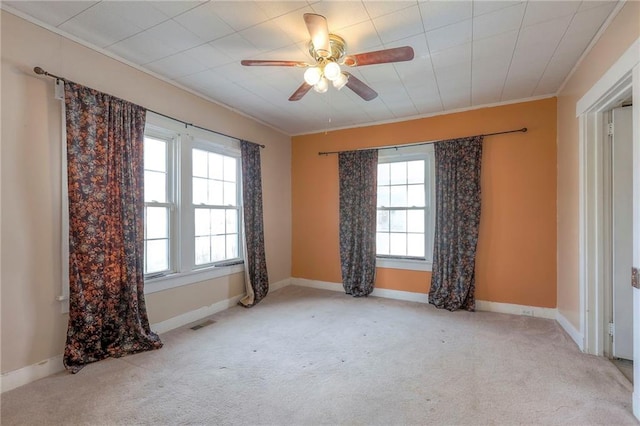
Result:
pixel 516 260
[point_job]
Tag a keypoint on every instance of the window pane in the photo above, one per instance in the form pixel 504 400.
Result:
pixel 232 221
pixel 218 248
pixel 398 173
pixel 157 256
pixel 232 246
pixel 383 174
pixel 229 194
pixel 230 169
pixel 215 166
pixel 398 221
pixel 383 196
pixel 415 245
pixel 383 221
pixel 155 186
pixel 203 250
pixel 199 165
pixel 382 243
pixel 398 244
pixel 155 154
pixel 415 221
pixel 217 222
pixel 202 224
pixel 415 171
pixel 415 195
pixel 156 222
pixel 200 191
pixel 215 192
pixel 398 196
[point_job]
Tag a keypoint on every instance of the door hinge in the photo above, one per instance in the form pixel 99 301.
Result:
pixel 611 329
pixel 610 129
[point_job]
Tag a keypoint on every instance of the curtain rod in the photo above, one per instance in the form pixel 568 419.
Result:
pixel 523 130
pixel 40 71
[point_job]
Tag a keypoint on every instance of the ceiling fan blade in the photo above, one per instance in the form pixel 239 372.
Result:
pixel 397 54
pixel 274 63
pixel 319 32
pixel 361 89
pixel 300 92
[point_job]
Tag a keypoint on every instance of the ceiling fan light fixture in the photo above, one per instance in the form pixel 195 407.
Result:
pixel 332 70
pixel 312 75
pixel 322 85
pixel 340 81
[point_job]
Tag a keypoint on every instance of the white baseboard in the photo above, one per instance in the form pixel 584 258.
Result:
pixel 575 335
pixel 195 315
pixel 510 308
pixel 280 284
pixel 31 373
pixel 481 305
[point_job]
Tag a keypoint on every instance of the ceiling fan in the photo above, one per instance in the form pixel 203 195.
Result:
pixel 328 51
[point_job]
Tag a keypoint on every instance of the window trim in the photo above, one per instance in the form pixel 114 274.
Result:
pixel 420 152
pixel 187 272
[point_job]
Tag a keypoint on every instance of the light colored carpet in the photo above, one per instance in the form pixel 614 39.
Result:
pixel 306 356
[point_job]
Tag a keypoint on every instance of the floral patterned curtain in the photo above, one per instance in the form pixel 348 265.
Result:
pixel 458 164
pixel 107 313
pixel 358 172
pixel 255 264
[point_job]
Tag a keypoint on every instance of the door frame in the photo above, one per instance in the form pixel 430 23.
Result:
pixel 622 79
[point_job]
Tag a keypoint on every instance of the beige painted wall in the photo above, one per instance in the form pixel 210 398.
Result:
pixel 33 329
pixel 620 34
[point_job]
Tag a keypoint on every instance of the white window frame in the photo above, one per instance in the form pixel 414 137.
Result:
pixel 183 248
pixel 420 152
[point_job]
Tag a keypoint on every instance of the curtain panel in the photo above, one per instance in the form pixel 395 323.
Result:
pixel 255 264
pixel 458 164
pixel 358 171
pixel 107 311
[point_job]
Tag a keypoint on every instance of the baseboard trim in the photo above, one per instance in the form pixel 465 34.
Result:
pixel 481 305
pixel 195 315
pixel 575 335
pixel 280 284
pixel 31 373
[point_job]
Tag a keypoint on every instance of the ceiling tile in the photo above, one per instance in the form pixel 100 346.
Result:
pixel 379 8
pixel 501 21
pixel 587 23
pixel 236 47
pixel 483 7
pixel 498 46
pixel 142 48
pixel 456 56
pixel 417 42
pixel 175 66
pixel 100 26
pixel 266 36
pixel 389 31
pixel 589 4
pixel 545 35
pixel 175 8
pixel 436 14
pixel 414 72
pixel 239 14
pixel 449 36
pixel 174 36
pixel 52 13
pixel 375 73
pixel 208 55
pixel 540 11
pixel 204 22
pixel 274 9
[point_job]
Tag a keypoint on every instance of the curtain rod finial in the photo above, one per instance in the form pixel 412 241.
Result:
pixel 39 70
pixel 524 130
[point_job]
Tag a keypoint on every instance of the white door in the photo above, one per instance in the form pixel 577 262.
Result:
pixel 622 215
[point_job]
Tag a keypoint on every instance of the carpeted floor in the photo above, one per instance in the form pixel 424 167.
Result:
pixel 305 356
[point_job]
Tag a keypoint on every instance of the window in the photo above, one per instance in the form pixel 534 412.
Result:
pixel 404 235
pixel 192 197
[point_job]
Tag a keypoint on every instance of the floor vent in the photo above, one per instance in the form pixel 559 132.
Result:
pixel 202 324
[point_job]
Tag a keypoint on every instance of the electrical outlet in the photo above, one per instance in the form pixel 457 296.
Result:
pixel 527 312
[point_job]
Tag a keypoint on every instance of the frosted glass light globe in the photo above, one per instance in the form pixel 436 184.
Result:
pixel 321 86
pixel 312 75
pixel 339 82
pixel 332 70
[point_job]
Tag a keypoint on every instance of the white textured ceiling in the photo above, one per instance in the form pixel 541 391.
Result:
pixel 467 53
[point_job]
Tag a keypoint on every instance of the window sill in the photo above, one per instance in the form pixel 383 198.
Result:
pixel 408 264
pixel 166 282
